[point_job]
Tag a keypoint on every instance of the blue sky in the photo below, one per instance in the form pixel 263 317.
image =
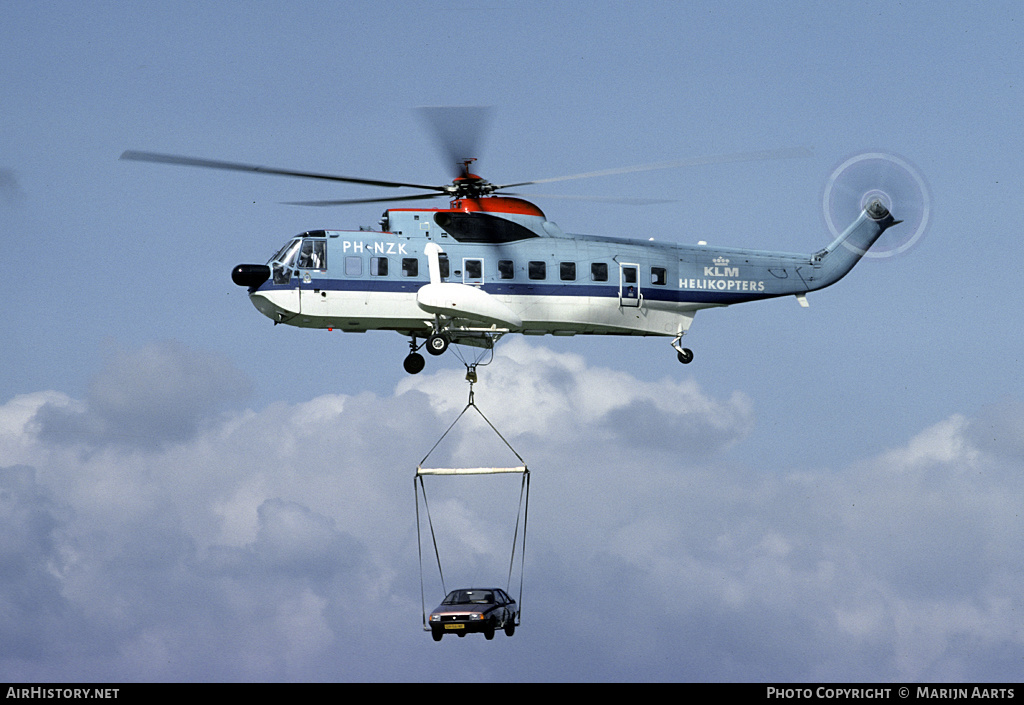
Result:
pixel 190 493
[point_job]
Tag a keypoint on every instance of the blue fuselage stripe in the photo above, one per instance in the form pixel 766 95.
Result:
pixel 410 286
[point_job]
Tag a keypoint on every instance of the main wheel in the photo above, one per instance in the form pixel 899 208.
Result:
pixel 414 363
pixel 685 356
pixel 437 344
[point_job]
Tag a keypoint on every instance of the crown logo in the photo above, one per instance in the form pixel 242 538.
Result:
pixel 721 261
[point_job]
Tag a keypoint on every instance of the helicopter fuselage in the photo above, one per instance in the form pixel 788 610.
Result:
pixel 534 279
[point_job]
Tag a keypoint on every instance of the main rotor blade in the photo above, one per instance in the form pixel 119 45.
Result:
pixel 133 155
pixel 595 199
pixel 414 197
pixel 457 132
pixel 788 153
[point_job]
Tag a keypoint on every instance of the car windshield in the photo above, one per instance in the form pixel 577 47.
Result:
pixel 469 597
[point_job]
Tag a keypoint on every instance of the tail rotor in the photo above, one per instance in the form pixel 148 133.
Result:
pixel 890 180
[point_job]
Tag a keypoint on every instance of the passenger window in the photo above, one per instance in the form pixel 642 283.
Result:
pixel 379 266
pixel 567 271
pixel 599 271
pixel 410 267
pixel 537 270
pixel 353 266
pixel 506 270
pixel 658 275
pixel 474 269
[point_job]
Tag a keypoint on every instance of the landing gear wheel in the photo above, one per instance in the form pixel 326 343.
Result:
pixel 685 356
pixel 437 344
pixel 414 363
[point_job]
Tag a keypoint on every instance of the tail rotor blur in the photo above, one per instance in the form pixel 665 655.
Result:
pixel 888 179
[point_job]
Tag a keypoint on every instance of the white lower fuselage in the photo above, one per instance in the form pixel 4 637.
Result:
pixel 359 311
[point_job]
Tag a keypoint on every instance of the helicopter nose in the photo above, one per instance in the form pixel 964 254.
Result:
pixel 250 275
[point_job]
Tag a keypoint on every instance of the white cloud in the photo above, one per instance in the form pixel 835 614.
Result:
pixel 17 417
pixel 158 394
pixel 944 443
pixel 534 391
pixel 280 543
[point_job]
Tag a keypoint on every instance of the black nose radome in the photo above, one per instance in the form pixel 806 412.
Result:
pixel 250 275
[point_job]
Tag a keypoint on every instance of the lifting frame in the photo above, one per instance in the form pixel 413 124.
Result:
pixel 524 507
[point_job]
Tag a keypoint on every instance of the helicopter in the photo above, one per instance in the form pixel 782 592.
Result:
pixel 491 263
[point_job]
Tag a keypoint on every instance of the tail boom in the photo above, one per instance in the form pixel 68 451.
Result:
pixel 835 261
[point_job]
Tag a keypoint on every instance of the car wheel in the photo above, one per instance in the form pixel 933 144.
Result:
pixel 437 634
pixel 510 628
pixel 489 633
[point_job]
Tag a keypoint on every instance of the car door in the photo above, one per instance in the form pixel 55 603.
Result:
pixel 507 607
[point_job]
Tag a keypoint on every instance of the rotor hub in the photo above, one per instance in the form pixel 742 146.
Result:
pixel 470 186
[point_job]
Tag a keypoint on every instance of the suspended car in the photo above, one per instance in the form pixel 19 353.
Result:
pixel 474 610
pixel 471 610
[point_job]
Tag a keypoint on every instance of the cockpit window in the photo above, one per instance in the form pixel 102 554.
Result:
pixel 313 254
pixel 286 253
pixel 282 264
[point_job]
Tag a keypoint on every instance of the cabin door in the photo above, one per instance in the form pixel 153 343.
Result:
pixel 629 285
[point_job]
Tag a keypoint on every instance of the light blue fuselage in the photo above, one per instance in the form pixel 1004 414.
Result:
pixel 553 283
